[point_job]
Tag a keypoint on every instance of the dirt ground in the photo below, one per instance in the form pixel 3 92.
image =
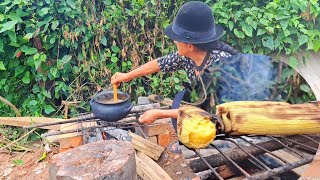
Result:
pixel 30 168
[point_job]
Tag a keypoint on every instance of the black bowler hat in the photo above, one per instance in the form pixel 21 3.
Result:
pixel 194 24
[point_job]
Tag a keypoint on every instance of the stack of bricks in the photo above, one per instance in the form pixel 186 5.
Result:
pixel 158 132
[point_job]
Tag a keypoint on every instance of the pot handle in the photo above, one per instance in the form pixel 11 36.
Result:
pixel 128 108
pixel 91 101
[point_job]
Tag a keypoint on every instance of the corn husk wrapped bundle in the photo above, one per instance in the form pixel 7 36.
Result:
pixel 195 128
pixel 269 118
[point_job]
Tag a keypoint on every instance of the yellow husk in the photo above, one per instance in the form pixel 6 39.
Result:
pixel 268 119
pixel 195 128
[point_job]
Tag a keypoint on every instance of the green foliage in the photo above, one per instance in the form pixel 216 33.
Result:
pixel 56 50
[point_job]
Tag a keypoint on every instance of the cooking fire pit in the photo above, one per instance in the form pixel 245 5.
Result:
pixel 244 157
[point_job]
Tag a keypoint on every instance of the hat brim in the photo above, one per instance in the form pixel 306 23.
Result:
pixel 176 37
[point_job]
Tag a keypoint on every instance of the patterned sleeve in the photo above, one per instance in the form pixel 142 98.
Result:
pixel 171 62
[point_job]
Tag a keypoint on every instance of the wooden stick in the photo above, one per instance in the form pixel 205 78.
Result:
pixel 25 121
pixel 11 105
pixel 115 93
pixel 15 141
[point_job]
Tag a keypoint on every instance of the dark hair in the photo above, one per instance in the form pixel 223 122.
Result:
pixel 217 45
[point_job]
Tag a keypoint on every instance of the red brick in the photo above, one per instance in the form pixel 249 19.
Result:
pixel 164 139
pixel 160 127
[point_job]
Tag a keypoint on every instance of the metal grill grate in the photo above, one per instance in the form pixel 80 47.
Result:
pixel 301 146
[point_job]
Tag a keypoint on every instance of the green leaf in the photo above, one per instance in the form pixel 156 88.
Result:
pixel 72 4
pixel 66 58
pixel 19 70
pixel 264 21
pixel 268 42
pixel 14 17
pixel 28 36
pixel 30 51
pixel 53 72
pixel 293 62
pixel 284 24
pixel 231 25
pixel 48 109
pixel 115 49
pixel 316 45
pixel 37 63
pixel 247 29
pixel 44 11
pixel 261 31
pixel 54 25
pixel 33 103
pixel 305 88
pixel 52 40
pixel 114 59
pixel 26 77
pixel 8 25
pixel 141 22
pixel 13 36
pixel 1 45
pixel 17 162
pixel 2 66
pixel 104 40
pixel 239 34
pixel 303 39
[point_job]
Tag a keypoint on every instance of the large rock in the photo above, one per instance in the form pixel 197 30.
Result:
pixel 107 160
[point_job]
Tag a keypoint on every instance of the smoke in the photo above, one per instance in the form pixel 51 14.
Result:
pixel 244 77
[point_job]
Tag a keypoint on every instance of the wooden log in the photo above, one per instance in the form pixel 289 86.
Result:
pixel 147 147
pixel 147 169
pixel 26 121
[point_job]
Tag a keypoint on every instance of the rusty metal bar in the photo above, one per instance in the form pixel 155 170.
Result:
pixel 236 154
pixel 306 146
pixel 286 146
pixel 85 128
pixel 279 170
pixel 311 139
pixel 266 150
pixel 211 168
pixel 232 162
pixel 261 164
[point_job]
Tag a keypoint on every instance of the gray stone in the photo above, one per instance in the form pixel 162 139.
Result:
pixel 107 160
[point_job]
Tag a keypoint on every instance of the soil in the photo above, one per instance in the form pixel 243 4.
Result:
pixel 30 168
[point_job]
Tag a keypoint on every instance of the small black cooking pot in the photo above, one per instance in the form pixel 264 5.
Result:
pixel 104 108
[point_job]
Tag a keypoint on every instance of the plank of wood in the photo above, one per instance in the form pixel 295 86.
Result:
pixel 147 169
pixel 308 70
pixel 26 121
pixel 147 147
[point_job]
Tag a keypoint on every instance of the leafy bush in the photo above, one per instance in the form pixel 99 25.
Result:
pixel 56 50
